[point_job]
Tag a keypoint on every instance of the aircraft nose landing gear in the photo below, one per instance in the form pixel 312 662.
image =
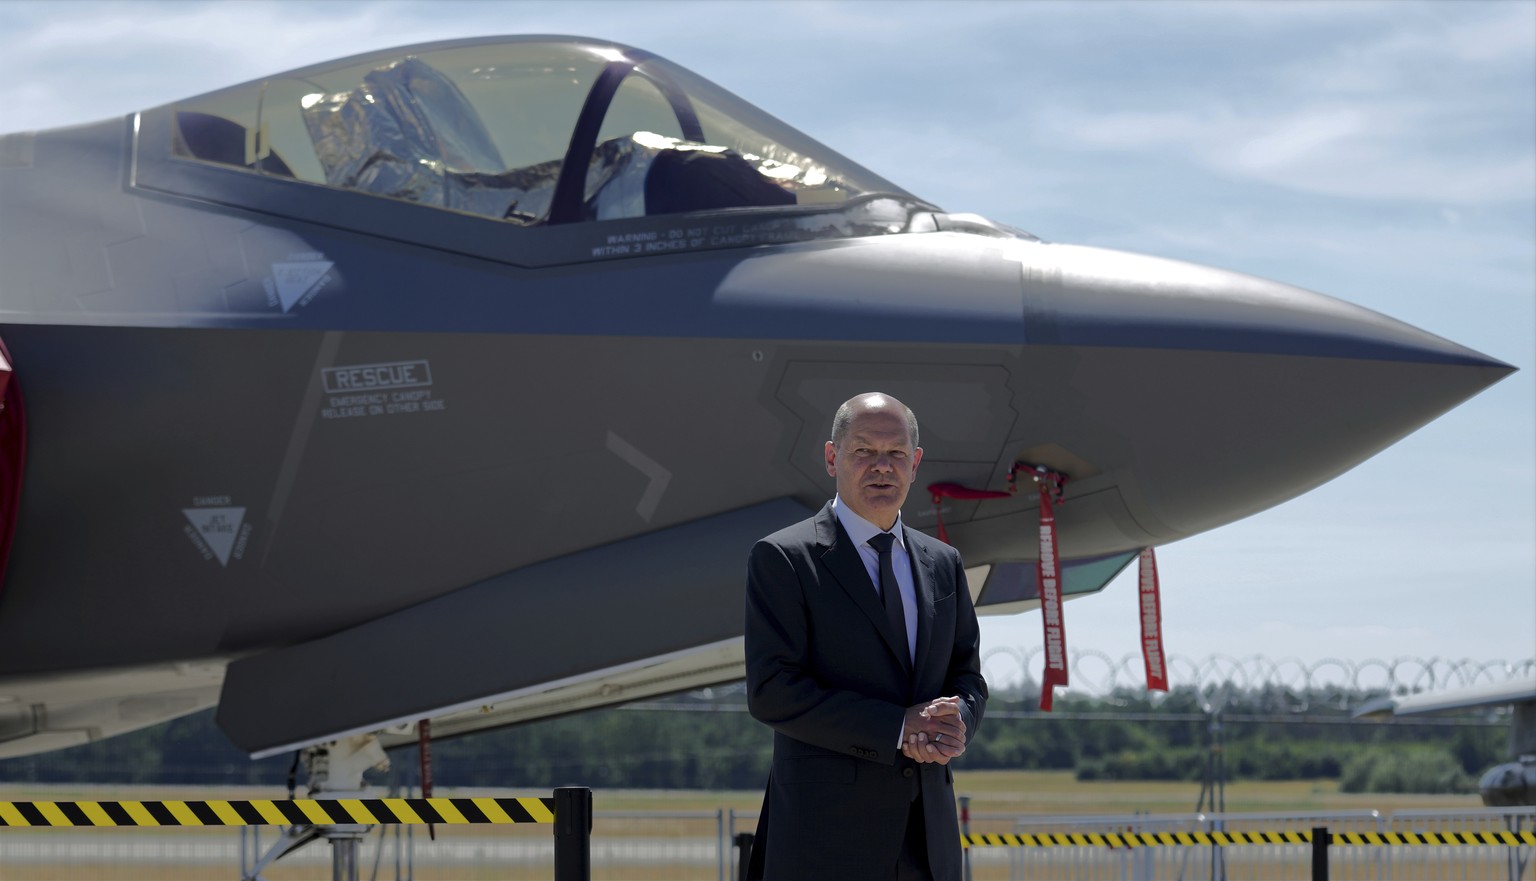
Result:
pixel 335 770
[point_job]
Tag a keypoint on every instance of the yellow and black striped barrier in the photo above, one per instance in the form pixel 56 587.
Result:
pixel 1512 839
pixel 297 812
pixel 1174 839
pixel 1133 839
pixel 569 814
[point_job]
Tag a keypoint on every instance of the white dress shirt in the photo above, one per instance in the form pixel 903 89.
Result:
pixel 861 531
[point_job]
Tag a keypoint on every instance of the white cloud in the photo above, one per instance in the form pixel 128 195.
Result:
pixel 1360 150
pixel 1423 47
pixel 1290 141
pixel 1431 104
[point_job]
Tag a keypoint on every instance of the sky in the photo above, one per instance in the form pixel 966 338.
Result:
pixel 1380 152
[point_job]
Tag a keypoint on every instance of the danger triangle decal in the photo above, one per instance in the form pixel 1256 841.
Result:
pixel 217 527
pixel 294 280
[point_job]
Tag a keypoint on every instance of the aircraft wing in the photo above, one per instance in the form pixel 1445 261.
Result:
pixel 584 617
pixel 591 629
pixel 1513 691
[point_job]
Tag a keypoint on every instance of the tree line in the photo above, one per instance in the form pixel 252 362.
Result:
pixel 707 741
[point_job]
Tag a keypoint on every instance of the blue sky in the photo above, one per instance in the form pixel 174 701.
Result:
pixel 1381 152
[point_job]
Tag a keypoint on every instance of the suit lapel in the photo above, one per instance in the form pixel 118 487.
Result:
pixel 842 559
pixel 923 581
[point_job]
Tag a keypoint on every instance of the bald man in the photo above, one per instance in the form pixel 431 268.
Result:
pixel 863 656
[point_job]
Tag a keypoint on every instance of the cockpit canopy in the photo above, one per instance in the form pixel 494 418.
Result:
pixel 531 131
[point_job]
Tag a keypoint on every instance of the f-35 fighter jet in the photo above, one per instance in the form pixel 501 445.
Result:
pixel 455 381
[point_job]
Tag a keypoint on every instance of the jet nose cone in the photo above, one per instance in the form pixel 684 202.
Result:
pixel 1219 394
pixel 1101 297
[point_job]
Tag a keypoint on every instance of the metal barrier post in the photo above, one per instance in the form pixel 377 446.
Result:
pixel 1516 865
pixel 721 845
pixel 573 833
pixel 965 829
pixel 730 839
pixel 1320 853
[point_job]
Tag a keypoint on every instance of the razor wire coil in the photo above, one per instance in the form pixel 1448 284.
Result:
pixel 1289 681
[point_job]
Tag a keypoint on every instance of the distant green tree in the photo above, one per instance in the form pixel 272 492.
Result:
pixel 690 742
pixel 1428 769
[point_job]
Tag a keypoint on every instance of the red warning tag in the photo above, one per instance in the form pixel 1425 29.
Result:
pixel 1152 624
pixel 1050 595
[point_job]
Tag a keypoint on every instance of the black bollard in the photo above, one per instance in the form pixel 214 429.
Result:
pixel 743 854
pixel 573 833
pixel 1320 841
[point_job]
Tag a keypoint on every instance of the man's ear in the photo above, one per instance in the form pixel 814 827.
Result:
pixel 917 456
pixel 831 454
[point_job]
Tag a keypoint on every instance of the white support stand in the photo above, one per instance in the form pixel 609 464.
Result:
pixel 335 771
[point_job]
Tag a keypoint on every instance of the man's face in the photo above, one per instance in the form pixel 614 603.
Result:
pixel 875 465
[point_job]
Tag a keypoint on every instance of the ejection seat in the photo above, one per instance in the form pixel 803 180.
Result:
pixel 408 132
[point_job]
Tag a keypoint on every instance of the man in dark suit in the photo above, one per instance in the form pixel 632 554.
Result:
pixel 863 656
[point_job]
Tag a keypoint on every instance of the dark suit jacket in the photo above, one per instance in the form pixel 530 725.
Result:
pixel 827 674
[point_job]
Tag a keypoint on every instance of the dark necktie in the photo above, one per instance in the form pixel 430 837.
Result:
pixel 890 590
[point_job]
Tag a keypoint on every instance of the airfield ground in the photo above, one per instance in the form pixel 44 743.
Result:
pixel 646 835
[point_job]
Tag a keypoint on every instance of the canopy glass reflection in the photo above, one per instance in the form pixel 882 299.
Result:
pixel 527 131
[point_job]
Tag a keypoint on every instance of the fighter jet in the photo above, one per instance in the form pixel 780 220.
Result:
pixel 455 381
pixel 1511 784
